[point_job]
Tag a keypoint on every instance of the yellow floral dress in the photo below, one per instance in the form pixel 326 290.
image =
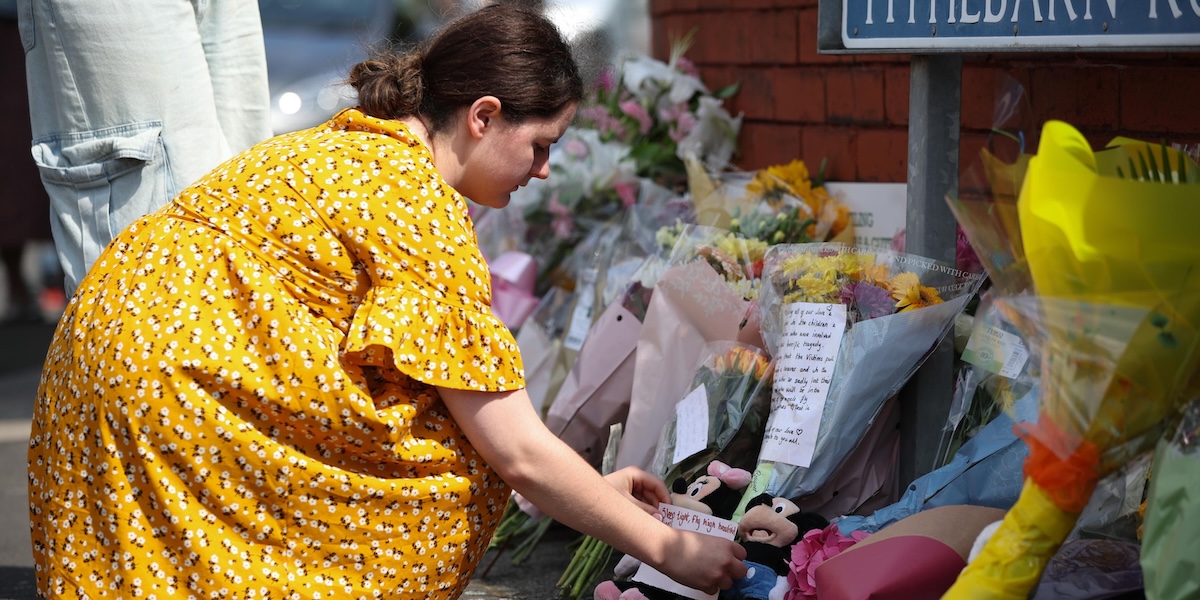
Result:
pixel 239 401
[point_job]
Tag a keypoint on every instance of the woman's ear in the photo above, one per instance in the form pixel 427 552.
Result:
pixel 482 114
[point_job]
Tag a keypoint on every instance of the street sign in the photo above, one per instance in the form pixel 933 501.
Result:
pixel 1017 25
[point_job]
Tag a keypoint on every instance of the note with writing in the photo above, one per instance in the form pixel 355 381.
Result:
pixel 691 424
pixel 808 349
pixel 690 520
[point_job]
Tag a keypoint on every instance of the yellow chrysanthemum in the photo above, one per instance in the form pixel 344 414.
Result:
pixel 812 288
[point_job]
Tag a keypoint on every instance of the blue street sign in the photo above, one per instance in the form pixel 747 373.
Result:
pixel 992 25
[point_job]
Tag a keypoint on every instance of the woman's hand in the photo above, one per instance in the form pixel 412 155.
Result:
pixel 704 562
pixel 642 488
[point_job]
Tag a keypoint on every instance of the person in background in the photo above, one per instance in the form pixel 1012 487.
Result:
pixel 25 206
pixel 288 382
pixel 133 101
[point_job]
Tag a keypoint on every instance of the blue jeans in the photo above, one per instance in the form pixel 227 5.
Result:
pixel 131 101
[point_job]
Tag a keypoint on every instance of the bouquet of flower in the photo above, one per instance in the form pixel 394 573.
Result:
pixel 846 328
pixel 1113 327
pixel 781 204
pixel 663 112
pixel 721 417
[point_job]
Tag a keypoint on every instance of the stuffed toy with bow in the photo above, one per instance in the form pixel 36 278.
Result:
pixel 715 492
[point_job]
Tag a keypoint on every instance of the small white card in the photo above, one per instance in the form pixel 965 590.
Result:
pixel 682 518
pixel 691 424
pixel 812 336
pixel 581 319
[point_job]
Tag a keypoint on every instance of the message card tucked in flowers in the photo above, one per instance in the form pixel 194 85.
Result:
pixel 812 336
pixel 689 520
pixel 691 424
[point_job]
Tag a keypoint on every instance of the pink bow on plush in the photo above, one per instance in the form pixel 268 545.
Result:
pixel 514 275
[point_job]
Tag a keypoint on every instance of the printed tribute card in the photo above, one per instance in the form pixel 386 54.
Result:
pixel 690 520
pixel 808 349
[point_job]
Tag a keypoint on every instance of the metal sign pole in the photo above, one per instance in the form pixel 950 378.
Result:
pixel 935 91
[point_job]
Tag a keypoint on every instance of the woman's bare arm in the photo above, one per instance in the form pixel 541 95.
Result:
pixel 511 437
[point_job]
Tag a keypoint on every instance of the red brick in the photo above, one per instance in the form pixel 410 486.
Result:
pixel 895 94
pixel 766 144
pixel 717 77
pixel 773 37
pixel 1086 97
pixel 978 106
pixel 1160 100
pixel 882 155
pixel 854 95
pixel 716 41
pixel 835 145
pixel 799 94
pixel 808 42
pixel 756 98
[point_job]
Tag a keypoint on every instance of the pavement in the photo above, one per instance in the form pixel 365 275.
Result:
pixel 23 347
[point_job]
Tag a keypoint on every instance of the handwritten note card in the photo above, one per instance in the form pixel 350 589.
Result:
pixel 690 520
pixel 691 424
pixel 808 349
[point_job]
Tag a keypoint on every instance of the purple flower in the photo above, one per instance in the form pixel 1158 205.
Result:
pixel 871 301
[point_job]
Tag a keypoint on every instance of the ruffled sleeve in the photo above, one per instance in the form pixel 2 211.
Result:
pixel 437 341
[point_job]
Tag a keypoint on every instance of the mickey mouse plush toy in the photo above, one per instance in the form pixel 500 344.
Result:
pixel 767 531
pixel 717 492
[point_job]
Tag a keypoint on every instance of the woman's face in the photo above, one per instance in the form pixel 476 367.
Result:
pixel 509 155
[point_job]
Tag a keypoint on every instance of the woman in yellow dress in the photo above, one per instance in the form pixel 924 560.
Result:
pixel 288 383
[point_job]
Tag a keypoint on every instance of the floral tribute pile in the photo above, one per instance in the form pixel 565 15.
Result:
pixel 691 312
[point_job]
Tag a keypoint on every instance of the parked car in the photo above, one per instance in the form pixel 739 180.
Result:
pixel 310 46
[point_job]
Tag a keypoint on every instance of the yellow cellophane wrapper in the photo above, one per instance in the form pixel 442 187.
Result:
pixel 1011 563
pixel 1101 246
pixel 1094 236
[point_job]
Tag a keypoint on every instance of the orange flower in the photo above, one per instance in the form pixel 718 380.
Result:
pixel 910 294
pixel 877 274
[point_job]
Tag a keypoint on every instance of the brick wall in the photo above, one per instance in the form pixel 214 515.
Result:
pixel 853 110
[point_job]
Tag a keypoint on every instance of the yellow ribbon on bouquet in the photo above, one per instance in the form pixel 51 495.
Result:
pixel 1111 244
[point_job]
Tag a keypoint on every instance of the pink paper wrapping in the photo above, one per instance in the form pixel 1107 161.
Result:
pixel 691 305
pixel 514 275
pixel 908 567
pixel 596 392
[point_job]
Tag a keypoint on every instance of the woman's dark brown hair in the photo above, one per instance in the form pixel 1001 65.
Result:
pixel 501 50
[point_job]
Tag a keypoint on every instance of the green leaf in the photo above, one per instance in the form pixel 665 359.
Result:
pixel 728 90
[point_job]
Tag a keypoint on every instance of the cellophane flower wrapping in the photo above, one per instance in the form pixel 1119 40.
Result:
pixel 1112 322
pixel 736 378
pixel 897 307
pixel 1171 538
